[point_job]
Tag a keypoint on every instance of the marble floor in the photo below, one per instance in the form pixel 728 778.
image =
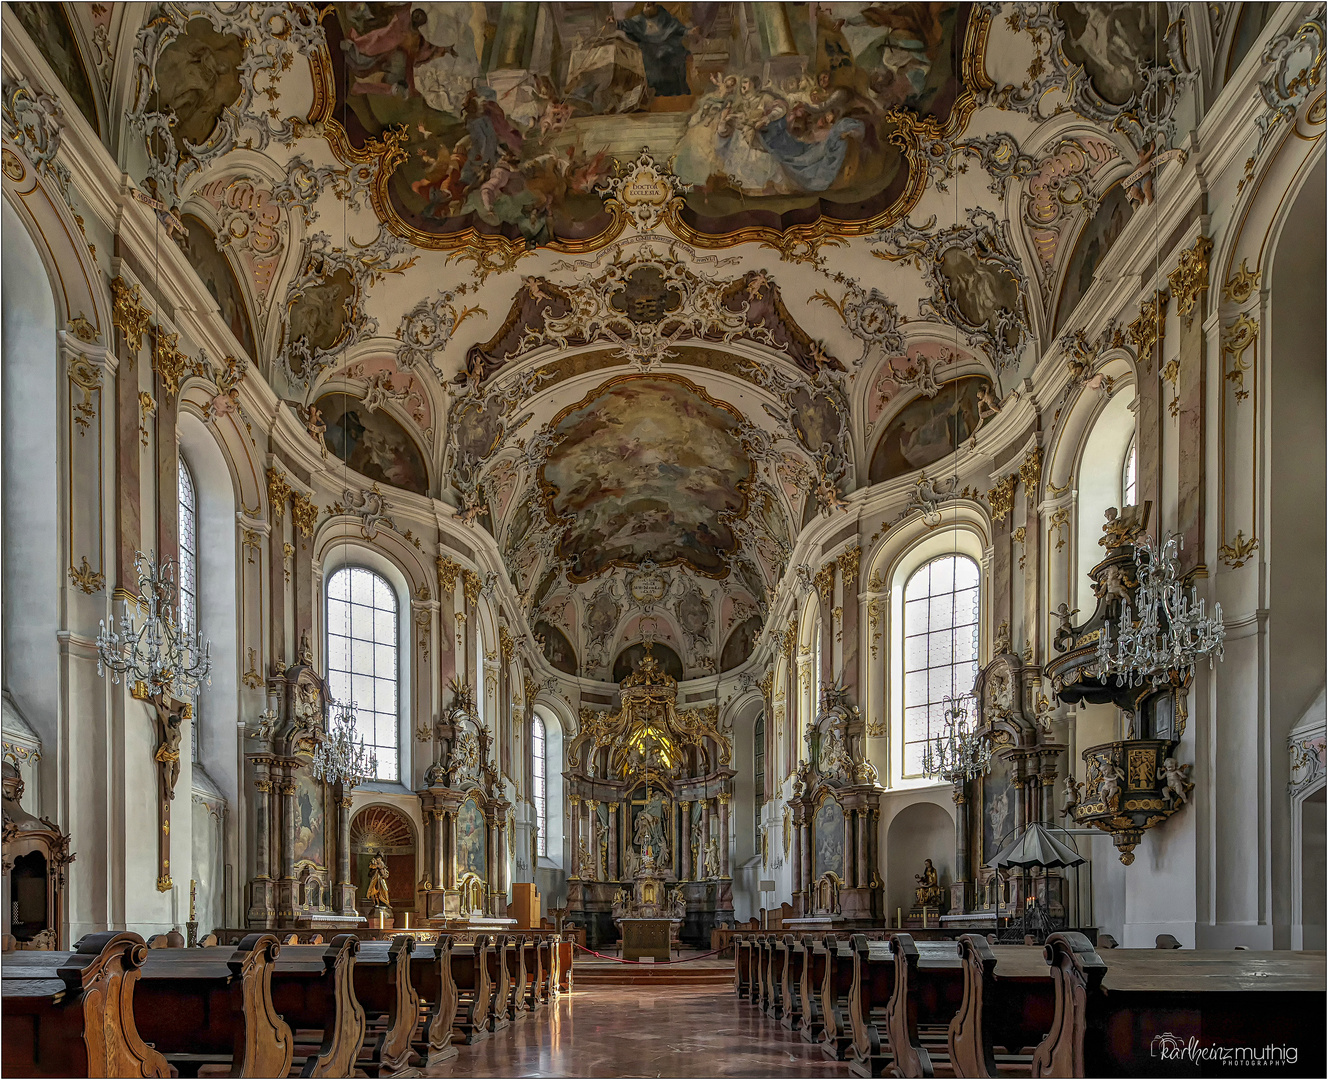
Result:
pixel 644 1031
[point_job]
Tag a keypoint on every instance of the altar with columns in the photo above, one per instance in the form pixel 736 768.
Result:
pixel 650 788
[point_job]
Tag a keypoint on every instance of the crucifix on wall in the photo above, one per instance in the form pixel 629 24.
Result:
pixel 168 719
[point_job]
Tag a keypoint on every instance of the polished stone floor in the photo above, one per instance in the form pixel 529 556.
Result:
pixel 644 1031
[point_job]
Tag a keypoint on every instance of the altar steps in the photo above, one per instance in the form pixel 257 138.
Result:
pixel 707 974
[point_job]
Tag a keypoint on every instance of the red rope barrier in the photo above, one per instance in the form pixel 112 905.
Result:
pixel 658 963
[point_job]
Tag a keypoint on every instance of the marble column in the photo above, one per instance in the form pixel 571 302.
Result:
pixel 575 818
pixel 705 839
pixel 343 840
pixel 685 841
pixel 612 868
pixel 262 812
pixel 450 865
pixel 593 821
pixel 849 877
pixel 1020 805
pixel 724 835
pixel 805 860
pixel 288 829
pixel 862 848
pixel 961 835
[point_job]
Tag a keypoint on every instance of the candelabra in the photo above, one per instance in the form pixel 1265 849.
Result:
pixel 959 753
pixel 157 657
pixel 341 758
pixel 1164 633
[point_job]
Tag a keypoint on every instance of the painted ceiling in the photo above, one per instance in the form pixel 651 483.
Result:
pixel 639 288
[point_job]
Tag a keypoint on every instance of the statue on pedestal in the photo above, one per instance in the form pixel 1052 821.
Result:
pixel 929 891
pixel 712 858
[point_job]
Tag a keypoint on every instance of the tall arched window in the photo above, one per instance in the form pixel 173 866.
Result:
pixel 1130 475
pixel 362 659
pixel 816 673
pixel 941 607
pixel 758 768
pixel 538 785
pixel 188 613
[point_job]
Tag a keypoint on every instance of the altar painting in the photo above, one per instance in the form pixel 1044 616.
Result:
pixel 828 840
pixel 998 811
pixel 472 840
pixel 310 821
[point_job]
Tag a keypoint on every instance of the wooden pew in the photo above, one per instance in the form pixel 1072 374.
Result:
pixel 742 969
pixel 812 1028
pixel 836 985
pixel 386 992
pixel 760 970
pixel 313 988
pixel 431 975
pixel 500 1006
pixel 566 954
pixel 790 983
pixel 870 993
pixel 774 1001
pixel 72 1014
pixel 516 976
pixel 1008 1002
pixel 929 988
pixel 533 952
pixel 470 974
pixel 213 1006
pixel 1137 1013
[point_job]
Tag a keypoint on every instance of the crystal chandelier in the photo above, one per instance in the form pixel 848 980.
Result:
pixel 339 758
pixel 1168 633
pixel 158 657
pixel 959 753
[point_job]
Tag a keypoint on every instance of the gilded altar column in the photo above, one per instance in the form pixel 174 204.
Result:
pixel 863 817
pixel 724 798
pixel 804 862
pixel 849 850
pixel 685 841
pixel 575 817
pixel 612 868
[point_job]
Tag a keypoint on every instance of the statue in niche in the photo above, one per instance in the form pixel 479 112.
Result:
pixel 696 845
pixel 376 894
pixel 929 891
pixel 712 858
pixel 649 831
pixel 1176 775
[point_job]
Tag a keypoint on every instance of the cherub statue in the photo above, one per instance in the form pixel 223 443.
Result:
pixel 1110 787
pixel 1070 797
pixel 1176 775
pixel 1112 585
pixel 1065 630
pixel 988 405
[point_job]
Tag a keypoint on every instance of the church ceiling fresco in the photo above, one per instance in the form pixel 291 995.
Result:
pixel 503 120
pixel 642 289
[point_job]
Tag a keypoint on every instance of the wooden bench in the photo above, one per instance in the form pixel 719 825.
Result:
pixel 386 993
pixel 517 1006
pixel 790 983
pixel 313 988
pixel 500 1005
pixel 213 1007
pixel 870 991
pixel 742 966
pixel 774 998
pixel 929 988
pixel 1009 1002
pixel 470 975
pixel 836 986
pixel 72 1013
pixel 431 976
pixel 1137 1013
pixel 812 950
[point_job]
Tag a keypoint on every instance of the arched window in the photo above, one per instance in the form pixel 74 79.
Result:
pixel 941 605
pixel 1130 475
pixel 362 658
pixel 816 674
pixel 758 768
pixel 188 613
pixel 538 785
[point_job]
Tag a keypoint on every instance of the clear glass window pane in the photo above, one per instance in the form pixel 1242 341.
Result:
pixel 187 579
pixel 362 659
pixel 537 770
pixel 940 647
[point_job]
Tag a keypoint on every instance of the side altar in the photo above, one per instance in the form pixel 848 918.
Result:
pixel 650 787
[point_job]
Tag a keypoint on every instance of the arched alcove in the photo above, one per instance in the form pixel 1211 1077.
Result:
pixel 384 831
pixel 1099 487
pixel 920 831
pixel 29 503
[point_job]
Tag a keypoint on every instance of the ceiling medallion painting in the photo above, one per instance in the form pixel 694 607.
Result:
pixel 497 126
pixel 646 467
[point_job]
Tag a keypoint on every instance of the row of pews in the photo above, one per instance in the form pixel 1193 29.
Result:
pixel 972 1008
pixel 115 1007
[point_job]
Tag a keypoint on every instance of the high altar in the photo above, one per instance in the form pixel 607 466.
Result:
pixel 650 787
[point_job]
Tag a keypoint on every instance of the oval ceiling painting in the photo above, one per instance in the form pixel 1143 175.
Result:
pixel 772 115
pixel 646 468
pixel 372 443
pixel 928 429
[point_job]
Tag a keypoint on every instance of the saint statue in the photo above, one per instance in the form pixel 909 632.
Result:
pixel 712 858
pixel 928 892
pixel 377 891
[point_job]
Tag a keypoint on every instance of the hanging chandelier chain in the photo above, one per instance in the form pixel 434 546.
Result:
pixel 960 752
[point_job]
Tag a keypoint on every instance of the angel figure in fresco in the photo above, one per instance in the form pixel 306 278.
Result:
pixel 376 894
